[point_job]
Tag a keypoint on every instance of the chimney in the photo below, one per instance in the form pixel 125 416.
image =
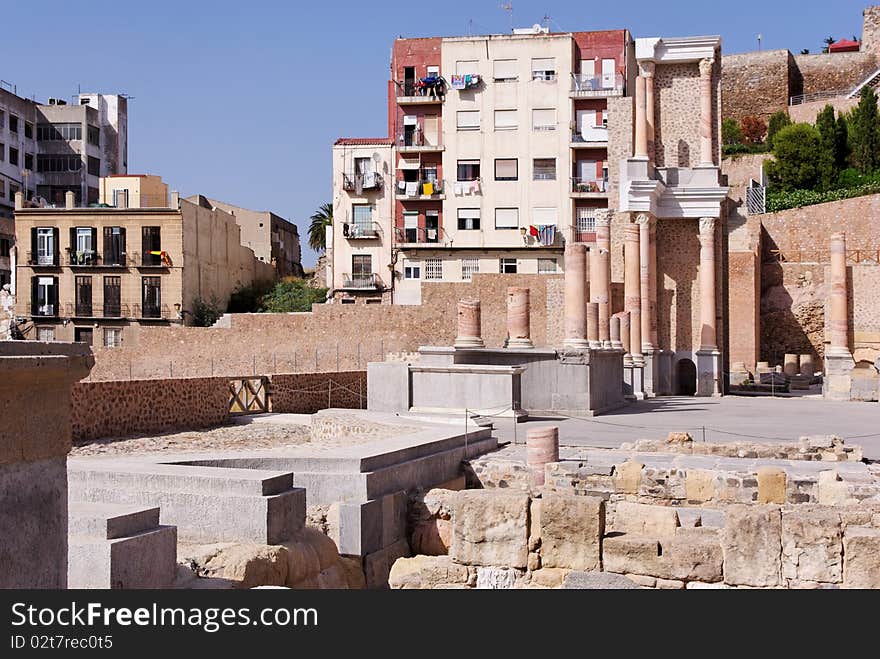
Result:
pixel 19 201
pixel 69 200
pixel 175 199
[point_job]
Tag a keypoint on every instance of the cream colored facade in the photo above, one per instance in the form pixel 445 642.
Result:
pixel 133 191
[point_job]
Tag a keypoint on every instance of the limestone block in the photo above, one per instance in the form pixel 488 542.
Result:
pixel 627 477
pixel 354 572
pixel 699 585
pixel 377 566
pixel 679 439
pixel 597 581
pixel 692 556
pixel 771 485
pixel 534 525
pixel 630 554
pixel 497 578
pixel 430 518
pixel 426 572
pixel 700 485
pixel 752 545
pixel 642 580
pixel 334 577
pixel 647 520
pixel 832 489
pixel 861 550
pixel 571 531
pixel 549 577
pixel 490 528
pixel 250 565
pixel 812 548
pixel 669 584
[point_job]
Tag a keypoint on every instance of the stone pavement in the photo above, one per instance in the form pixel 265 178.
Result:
pixel 717 420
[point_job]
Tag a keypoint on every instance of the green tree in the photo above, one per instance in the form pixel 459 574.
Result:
pixel 841 142
pixel 828 41
pixel 795 165
pixel 827 164
pixel 320 220
pixel 864 138
pixel 290 295
pixel 206 312
pixel 778 121
pixel 731 133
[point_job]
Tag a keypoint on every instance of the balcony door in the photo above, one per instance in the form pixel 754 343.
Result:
pixel 361 268
pixel 608 74
pixel 46 246
pixel 362 218
pixel 586 170
pixel 432 130
pixel 586 123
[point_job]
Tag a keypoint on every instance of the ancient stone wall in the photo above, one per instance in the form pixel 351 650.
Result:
pixel 677 131
pixel 755 83
pixel 307 393
pixel 678 260
pixel 834 72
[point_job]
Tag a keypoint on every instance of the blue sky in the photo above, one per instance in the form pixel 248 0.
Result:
pixel 242 100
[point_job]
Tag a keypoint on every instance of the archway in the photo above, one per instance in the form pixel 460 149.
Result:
pixel 686 371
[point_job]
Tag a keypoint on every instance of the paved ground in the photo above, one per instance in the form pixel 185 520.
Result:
pixel 718 420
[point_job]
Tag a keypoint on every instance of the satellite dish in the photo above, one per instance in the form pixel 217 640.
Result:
pixel 377 157
pixel 537 27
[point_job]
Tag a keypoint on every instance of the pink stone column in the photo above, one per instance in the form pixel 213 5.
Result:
pixel 625 336
pixel 839 322
pixel 542 448
pixel 655 341
pixel 641 143
pixel 707 157
pixel 600 278
pixel 708 340
pixel 645 221
pixel 593 326
pixel 518 318
pixel 647 71
pixel 614 327
pixel 575 318
pixel 632 291
pixel 469 325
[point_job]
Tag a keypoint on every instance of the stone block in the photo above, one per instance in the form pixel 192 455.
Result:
pixel 377 566
pixel 771 485
pixel 359 526
pixel 832 489
pixel 490 528
pixel 812 547
pixel 497 578
pixel 669 584
pixel 752 545
pixel 597 581
pixel 571 532
pixel 394 509
pixel 627 477
pixel 699 485
pixel 549 577
pixel 426 572
pixel 861 551
pixel 647 520
pixel 629 554
pixel 430 518
pixel 691 556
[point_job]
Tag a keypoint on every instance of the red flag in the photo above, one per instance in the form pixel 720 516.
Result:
pixel 533 231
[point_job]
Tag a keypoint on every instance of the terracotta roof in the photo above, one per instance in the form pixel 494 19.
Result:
pixel 843 45
pixel 355 141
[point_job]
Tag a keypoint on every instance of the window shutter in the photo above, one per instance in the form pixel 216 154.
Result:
pixel 55 246
pixel 506 169
pixel 505 118
pixel 54 300
pixel 72 242
pixel 543 216
pixel 545 118
pixel 505 69
pixel 94 240
pixel 468 118
pixel 467 67
pixel 35 285
pixel 544 64
pixel 506 218
pixel 121 241
pixel 34 243
pixel 108 244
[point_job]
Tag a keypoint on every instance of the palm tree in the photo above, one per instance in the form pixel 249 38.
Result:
pixel 828 42
pixel 322 218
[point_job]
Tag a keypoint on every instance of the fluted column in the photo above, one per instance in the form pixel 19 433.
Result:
pixel 600 277
pixel 652 255
pixel 708 339
pixel 518 318
pixel 469 324
pixel 707 157
pixel 575 296
pixel 641 144
pixel 839 324
pixel 647 71
pixel 645 221
pixel 632 291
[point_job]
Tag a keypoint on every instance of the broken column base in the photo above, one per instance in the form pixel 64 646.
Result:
pixel 634 381
pixel 837 384
pixel 708 373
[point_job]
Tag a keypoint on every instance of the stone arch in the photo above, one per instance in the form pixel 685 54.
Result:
pixel 686 377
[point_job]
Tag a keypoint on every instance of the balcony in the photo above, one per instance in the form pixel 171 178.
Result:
pixel 361 183
pixel 40 260
pixel 426 91
pixel 416 143
pixel 591 137
pixel 583 188
pixel 584 229
pixel 148 260
pixel 91 259
pixel 421 190
pixel 361 230
pixel 420 237
pixel 596 86
pixel 43 311
pixel 362 282
pixel 151 312
pixel 116 310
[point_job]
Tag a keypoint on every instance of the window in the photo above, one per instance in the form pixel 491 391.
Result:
pixel 4 246
pixel 469 267
pixel 13 156
pixel 544 119
pixel 432 226
pixel 468 219
pixel 348 300
pixel 83 292
pixel 13 123
pixel 112 337
pixel 362 218
pixel 507 218
pixel 362 269
pixel 364 166
pixel 151 297
pixel 505 70
pixel 151 241
pixel 46 334
pixel 434 269
pixel 59 132
pixel 467 67
pixel 94 166
pixel 544 68
pixel 468 170
pixel 29 161
pixel 586 220
pixel 546 266
pixel 83 243
pixel 608 74
pixel 544 169
pixel 412 270
pixel 506 169
pixel 94 136
pixel 120 198
pixel 2 118
pixel 65 163
pixel 468 120
pixel 505 119
pixel 44 296
pixel 112 297
pixel 13 188
pixel 433 71
pixel 28 130
pixel 507 266
pixel 45 245
pixel 410 227
pixel 84 335
pixel 2 189
pixel 543 216
pixel 2 152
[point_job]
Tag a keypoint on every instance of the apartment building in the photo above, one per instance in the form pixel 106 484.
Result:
pixel 500 154
pixel 98 274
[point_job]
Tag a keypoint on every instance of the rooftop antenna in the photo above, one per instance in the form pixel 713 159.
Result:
pixel 508 7
pixel 760 38
pixel 546 21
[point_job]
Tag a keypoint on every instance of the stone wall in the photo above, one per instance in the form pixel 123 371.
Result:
pixel 834 72
pixel 678 260
pixel 806 113
pixel 755 84
pixel 307 393
pixel 677 131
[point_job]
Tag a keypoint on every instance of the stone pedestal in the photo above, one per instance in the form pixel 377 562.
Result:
pixel 708 373
pixel 469 325
pixel 542 448
pixel 518 319
pixel 837 382
pixel 663 382
pixel 614 333
pixel 625 336
pixel 790 365
pixel 808 366
pixel 634 381
pixel 652 372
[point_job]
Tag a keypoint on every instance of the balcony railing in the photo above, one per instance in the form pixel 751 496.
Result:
pixel 361 230
pixel 416 142
pixel 148 260
pixel 43 310
pixel 41 260
pixel 587 186
pixel 371 181
pixel 596 86
pixel 368 281
pixel 423 189
pixel 79 310
pixel 420 236
pixel 116 310
pixel 425 90
pixel 589 135
pixel 151 311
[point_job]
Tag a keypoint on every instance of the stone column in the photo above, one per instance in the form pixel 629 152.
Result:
pixel 641 143
pixel 600 278
pixel 645 221
pixel 708 339
pixel 518 318
pixel 652 283
pixel 632 291
pixel 575 318
pixel 593 326
pixel 542 447
pixel 839 322
pixel 647 71
pixel 614 327
pixel 707 157
pixel 625 336
pixel 469 325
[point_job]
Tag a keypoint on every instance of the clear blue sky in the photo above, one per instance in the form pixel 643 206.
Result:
pixel 241 100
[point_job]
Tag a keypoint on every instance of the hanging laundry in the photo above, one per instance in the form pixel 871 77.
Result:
pixel 458 189
pixel 458 82
pixel 412 188
pixel 428 189
pixel 369 180
pixel 547 234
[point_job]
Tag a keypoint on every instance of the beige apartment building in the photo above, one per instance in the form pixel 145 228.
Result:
pixel 99 274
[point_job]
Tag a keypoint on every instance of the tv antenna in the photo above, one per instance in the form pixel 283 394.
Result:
pixel 508 7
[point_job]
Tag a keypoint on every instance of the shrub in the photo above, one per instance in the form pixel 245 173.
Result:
pixel 778 121
pixel 731 132
pixel 753 129
pixel 206 312
pixel 733 150
pixel 864 132
pixel 796 151
pixel 290 295
pixel 247 299
pixel 780 201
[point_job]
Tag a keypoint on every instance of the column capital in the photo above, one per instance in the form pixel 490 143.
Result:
pixel 706 66
pixel 707 225
pixel 644 218
pixel 603 217
pixel 646 69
